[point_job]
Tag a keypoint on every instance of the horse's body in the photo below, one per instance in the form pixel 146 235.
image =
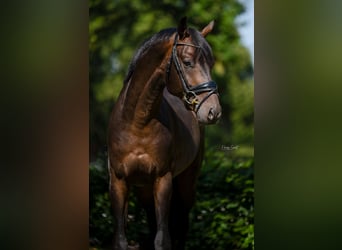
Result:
pixel 155 142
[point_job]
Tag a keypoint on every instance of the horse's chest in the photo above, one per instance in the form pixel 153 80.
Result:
pixel 139 158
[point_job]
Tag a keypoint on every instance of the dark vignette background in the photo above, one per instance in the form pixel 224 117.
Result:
pixel 298 119
pixel 44 125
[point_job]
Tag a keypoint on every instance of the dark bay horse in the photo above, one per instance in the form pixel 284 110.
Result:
pixel 155 137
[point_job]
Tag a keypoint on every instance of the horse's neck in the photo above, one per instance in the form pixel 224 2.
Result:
pixel 149 100
pixel 143 95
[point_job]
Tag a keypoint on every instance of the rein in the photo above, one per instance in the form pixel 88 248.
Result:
pixel 190 93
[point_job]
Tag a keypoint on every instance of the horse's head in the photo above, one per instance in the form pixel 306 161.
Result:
pixel 189 73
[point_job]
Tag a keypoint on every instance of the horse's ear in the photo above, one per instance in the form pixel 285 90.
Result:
pixel 183 28
pixel 207 29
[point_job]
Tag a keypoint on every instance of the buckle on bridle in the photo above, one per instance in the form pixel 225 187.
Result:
pixel 190 98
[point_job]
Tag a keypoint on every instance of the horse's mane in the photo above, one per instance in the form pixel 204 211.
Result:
pixel 165 35
pixel 150 42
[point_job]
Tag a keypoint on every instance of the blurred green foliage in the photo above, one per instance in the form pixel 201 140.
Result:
pixel 223 215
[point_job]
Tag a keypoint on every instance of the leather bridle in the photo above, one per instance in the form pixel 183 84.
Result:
pixel 190 93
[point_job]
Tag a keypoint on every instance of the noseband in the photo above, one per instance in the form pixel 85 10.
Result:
pixel 190 93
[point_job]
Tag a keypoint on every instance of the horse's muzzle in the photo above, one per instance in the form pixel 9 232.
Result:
pixel 210 112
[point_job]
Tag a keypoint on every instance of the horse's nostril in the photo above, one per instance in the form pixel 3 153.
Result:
pixel 211 115
pixel 219 115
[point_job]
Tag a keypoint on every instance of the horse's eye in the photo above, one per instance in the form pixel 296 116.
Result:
pixel 187 63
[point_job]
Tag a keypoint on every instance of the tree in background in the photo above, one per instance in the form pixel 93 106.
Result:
pixel 116 29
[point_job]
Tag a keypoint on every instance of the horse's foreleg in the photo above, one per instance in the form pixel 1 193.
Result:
pixel 183 199
pixel 119 194
pixel 146 198
pixel 181 203
pixel 162 196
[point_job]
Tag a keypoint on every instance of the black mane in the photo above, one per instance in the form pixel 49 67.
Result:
pixel 162 35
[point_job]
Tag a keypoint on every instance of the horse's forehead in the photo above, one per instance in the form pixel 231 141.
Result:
pixel 201 52
pixel 189 50
pixel 194 40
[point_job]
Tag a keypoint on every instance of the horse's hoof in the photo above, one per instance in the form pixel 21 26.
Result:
pixel 134 247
